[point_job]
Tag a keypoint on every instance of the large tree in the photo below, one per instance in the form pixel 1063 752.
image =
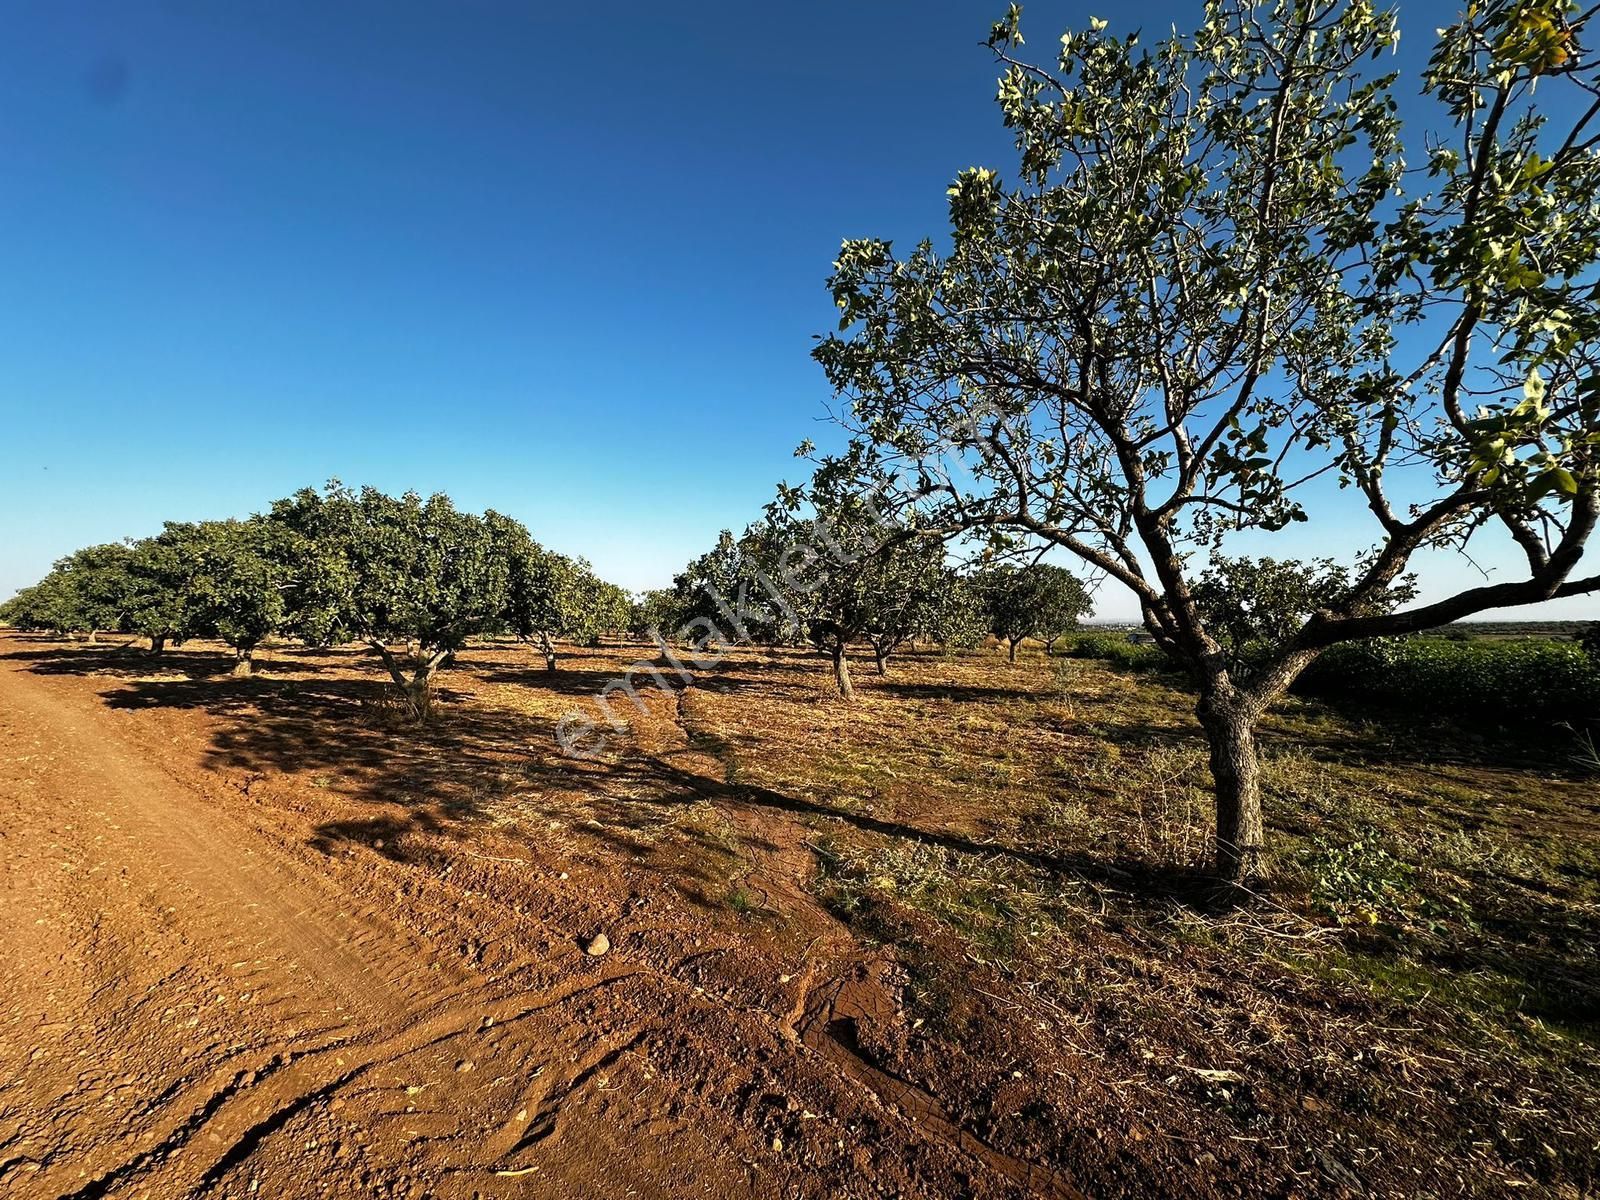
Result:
pixel 1218 284
pixel 238 589
pixel 412 578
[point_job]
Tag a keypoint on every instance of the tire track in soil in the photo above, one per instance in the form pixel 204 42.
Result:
pixel 147 870
pixel 190 1008
pixel 830 1016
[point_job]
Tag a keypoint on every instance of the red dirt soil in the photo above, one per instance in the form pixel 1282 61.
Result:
pixel 200 1000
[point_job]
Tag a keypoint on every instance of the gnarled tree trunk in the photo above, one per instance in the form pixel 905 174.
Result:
pixel 158 643
pixel 417 688
pixel 1014 643
pixel 549 651
pixel 244 660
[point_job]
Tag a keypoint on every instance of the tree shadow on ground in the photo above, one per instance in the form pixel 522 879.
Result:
pixel 957 692
pixel 478 763
pixel 134 660
pixel 475 763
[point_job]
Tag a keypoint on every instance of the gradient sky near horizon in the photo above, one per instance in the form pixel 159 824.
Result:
pixel 564 263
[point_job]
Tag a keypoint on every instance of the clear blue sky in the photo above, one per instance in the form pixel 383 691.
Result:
pixel 562 263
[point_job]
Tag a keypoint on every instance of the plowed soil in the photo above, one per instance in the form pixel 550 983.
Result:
pixel 263 937
pixel 197 1001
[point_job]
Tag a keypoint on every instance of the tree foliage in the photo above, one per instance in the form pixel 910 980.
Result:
pixel 411 578
pixel 1254 605
pixel 381 569
pixel 847 570
pixel 1213 287
pixel 237 589
pixel 550 596
pixel 1040 600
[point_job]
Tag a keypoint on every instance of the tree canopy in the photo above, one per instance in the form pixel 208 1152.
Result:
pixel 1040 600
pixel 1214 285
pixel 411 578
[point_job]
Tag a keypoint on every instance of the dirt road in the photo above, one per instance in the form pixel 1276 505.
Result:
pixel 191 1006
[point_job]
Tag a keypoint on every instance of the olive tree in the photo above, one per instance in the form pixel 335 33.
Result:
pixel 1222 279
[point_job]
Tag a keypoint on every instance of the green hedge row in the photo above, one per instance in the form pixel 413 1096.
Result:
pixel 1115 648
pixel 1509 682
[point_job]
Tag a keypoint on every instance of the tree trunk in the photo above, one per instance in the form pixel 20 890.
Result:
pixel 158 643
pixel 1050 646
pixel 418 689
pixel 882 657
pixel 1236 770
pixel 244 660
pixel 419 693
pixel 549 651
pixel 841 673
pixel 1014 642
pixel 91 640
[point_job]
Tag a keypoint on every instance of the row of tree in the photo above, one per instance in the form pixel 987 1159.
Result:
pixel 829 567
pixel 413 579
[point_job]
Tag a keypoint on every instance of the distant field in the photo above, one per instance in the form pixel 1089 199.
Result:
pixel 1556 630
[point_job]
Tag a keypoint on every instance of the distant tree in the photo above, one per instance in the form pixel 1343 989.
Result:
pixel 606 606
pixel 912 583
pixel 387 571
pixel 848 571
pixel 1041 601
pixel 43 606
pixel 552 596
pixel 86 591
pixel 658 611
pixel 1221 275
pixel 547 594
pixel 727 588
pixel 161 598
pixel 956 618
pixel 239 587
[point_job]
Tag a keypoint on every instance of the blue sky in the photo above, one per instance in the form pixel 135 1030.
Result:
pixel 565 263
